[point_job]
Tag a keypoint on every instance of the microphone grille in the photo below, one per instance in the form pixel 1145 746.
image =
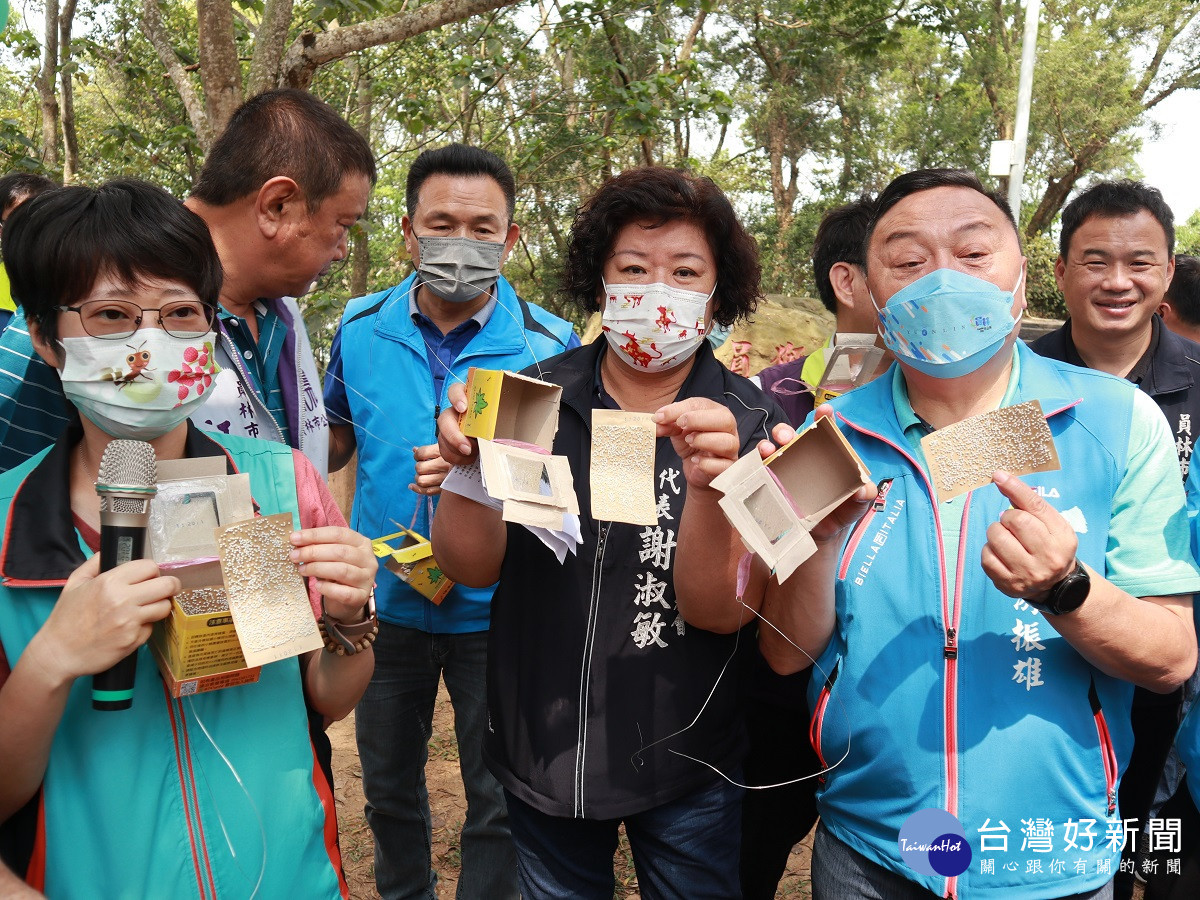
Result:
pixel 128 464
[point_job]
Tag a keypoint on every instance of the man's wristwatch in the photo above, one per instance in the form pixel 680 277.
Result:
pixel 1067 595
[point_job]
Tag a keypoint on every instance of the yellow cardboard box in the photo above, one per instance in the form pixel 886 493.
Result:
pixel 507 406
pixel 192 648
pixel 409 556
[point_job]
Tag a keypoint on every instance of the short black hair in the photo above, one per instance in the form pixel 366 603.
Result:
pixel 59 243
pixel 658 194
pixel 283 132
pixel 17 187
pixel 463 160
pixel 1115 200
pixel 926 180
pixel 840 239
pixel 1184 292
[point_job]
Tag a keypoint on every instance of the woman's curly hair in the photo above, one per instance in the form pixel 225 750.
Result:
pixel 658 195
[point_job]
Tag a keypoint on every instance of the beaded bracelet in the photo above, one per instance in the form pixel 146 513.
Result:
pixel 346 640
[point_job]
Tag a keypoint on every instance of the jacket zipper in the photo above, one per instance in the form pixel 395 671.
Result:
pixel 950 634
pixel 950 656
pixel 818 722
pixel 589 645
pixel 1108 754
pixel 860 529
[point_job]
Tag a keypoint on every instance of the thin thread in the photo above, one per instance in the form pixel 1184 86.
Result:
pixel 407 445
pixel 636 758
pixel 249 799
pixel 766 414
pixel 829 768
pixel 511 315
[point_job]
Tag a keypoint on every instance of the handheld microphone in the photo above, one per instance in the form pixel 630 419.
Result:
pixel 126 484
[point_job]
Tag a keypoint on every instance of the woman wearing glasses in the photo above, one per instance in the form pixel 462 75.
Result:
pixel 224 792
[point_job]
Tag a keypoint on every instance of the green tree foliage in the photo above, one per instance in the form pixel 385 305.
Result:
pixel 1187 236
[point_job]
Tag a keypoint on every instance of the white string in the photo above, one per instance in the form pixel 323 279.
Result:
pixel 766 414
pixel 636 758
pixel 407 445
pixel 521 329
pixel 249 799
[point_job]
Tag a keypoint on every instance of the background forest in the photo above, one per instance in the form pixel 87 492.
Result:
pixel 793 106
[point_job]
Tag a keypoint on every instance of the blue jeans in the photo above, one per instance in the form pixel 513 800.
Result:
pixel 687 849
pixel 394 720
pixel 842 873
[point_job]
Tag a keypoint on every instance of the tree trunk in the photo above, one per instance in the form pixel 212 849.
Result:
pixel 311 51
pixel 156 34
pixel 269 43
pixel 220 71
pixel 776 140
pixel 47 88
pixel 70 138
pixel 360 262
pixel 1053 199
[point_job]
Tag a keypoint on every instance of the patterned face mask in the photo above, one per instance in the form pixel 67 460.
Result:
pixel 655 327
pixel 947 323
pixel 141 387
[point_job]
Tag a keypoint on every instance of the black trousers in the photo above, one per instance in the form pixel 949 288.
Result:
pixel 776 819
pixel 1185 885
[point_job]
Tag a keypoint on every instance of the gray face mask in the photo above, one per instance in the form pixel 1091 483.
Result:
pixel 459 269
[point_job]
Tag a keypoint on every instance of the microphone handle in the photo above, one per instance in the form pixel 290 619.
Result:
pixel 113 688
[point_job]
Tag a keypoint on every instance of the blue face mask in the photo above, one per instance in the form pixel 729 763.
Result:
pixel 947 323
pixel 718 334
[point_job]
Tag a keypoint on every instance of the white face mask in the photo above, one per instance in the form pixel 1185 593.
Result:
pixel 140 387
pixel 656 326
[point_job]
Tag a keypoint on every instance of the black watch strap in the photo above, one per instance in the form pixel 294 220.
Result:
pixel 1068 594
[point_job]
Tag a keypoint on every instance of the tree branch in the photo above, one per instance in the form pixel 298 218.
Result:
pixel 311 51
pixel 220 71
pixel 156 34
pixel 66 20
pixel 689 42
pixel 269 44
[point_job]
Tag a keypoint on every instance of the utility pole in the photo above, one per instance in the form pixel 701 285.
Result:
pixel 1024 101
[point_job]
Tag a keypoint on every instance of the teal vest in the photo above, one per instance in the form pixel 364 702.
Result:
pixel 158 800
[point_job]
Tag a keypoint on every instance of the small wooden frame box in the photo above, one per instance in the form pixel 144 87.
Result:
pixel 409 557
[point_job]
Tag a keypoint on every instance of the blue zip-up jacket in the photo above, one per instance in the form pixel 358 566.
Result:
pixel 931 699
pixel 390 392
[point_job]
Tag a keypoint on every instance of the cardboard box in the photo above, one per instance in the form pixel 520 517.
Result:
pixel 813 474
pixel 202 685
pixel 507 406
pixel 195 646
pixel 409 557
